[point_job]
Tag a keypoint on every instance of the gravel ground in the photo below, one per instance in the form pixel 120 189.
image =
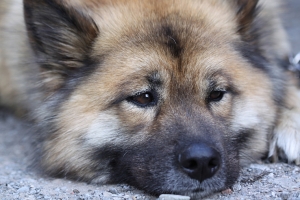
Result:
pixel 19 181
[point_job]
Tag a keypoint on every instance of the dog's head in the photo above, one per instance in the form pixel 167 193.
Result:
pixel 169 96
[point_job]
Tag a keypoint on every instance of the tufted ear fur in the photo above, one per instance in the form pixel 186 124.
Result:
pixel 61 38
pixel 246 13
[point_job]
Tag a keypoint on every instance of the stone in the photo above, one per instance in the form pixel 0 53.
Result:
pixel 173 197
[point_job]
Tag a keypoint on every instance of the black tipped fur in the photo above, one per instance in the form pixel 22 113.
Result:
pixel 62 37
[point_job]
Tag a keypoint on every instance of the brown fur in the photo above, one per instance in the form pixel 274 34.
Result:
pixel 91 58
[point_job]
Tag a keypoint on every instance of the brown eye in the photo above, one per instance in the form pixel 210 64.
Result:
pixel 143 99
pixel 216 95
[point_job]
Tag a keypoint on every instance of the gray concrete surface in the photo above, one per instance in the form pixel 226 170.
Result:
pixel 19 181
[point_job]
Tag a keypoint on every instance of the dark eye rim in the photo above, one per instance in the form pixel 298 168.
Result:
pixel 154 101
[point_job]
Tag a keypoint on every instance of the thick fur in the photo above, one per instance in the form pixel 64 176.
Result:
pixel 76 66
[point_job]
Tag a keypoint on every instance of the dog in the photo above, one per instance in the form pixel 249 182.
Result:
pixel 169 96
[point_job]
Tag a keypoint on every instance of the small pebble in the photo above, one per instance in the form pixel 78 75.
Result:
pixel 237 187
pixel 125 187
pixel 76 191
pixel 227 191
pixel 113 190
pixel 107 194
pixel 24 189
pixel 173 197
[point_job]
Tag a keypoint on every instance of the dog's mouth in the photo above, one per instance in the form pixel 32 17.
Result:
pixel 198 190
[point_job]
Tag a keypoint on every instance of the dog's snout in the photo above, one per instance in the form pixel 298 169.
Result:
pixel 200 161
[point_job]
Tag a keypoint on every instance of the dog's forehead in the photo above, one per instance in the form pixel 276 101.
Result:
pixel 119 17
pixel 153 30
pixel 170 53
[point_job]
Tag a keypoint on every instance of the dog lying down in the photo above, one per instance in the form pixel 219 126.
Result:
pixel 169 96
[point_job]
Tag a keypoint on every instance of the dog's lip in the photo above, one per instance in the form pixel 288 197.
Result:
pixel 187 191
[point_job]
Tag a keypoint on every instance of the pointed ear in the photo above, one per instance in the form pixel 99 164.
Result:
pixel 61 38
pixel 246 13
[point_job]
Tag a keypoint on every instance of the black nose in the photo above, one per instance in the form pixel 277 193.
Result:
pixel 200 161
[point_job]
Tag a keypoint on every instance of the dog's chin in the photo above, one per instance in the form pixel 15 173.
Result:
pixel 178 183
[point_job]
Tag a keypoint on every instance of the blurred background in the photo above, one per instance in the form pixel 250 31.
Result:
pixel 291 21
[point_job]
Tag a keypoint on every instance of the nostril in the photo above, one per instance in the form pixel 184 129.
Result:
pixel 190 164
pixel 213 163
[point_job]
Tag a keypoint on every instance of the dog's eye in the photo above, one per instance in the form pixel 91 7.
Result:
pixel 143 99
pixel 216 95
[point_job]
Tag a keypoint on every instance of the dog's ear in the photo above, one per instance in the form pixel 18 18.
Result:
pixel 246 13
pixel 61 38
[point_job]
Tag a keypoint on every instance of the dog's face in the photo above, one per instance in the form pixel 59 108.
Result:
pixel 166 96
